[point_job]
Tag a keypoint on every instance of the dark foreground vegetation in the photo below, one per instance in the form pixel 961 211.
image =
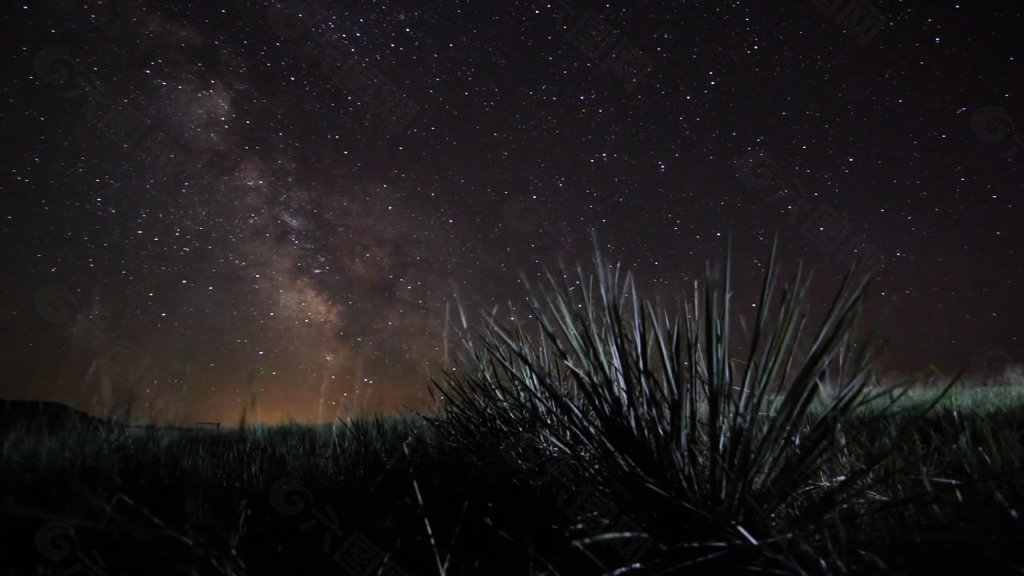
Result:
pixel 608 437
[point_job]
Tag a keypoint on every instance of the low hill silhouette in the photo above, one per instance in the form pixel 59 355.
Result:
pixel 34 416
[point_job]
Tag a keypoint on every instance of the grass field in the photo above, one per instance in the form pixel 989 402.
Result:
pixel 297 499
pixel 608 438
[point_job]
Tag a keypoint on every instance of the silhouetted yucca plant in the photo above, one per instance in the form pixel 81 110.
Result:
pixel 653 407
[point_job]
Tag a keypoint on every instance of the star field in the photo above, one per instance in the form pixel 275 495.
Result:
pixel 273 206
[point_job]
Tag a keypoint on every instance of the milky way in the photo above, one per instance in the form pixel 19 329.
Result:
pixel 271 207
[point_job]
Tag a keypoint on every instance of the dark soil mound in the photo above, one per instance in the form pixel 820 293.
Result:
pixel 31 416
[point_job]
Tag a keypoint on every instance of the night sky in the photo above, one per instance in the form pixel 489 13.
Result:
pixel 215 205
